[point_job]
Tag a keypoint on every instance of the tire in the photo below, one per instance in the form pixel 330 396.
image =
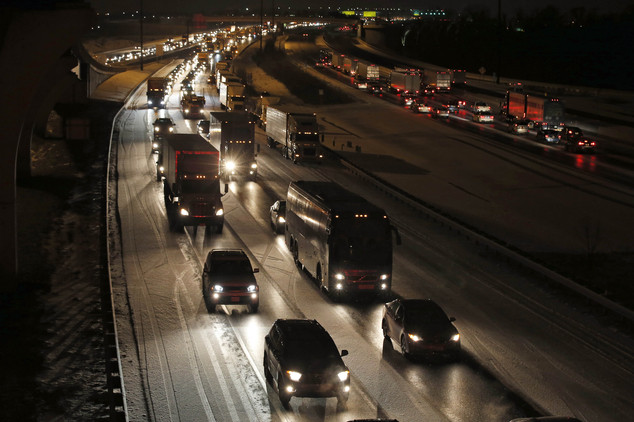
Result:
pixel 267 372
pixel 404 347
pixel 386 333
pixel 285 398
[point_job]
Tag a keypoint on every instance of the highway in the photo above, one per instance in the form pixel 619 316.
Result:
pixel 526 350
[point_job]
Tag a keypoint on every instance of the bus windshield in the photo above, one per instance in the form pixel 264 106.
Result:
pixel 362 241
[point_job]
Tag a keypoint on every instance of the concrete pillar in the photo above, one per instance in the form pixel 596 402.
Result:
pixel 32 42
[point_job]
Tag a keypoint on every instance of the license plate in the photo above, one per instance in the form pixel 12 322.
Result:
pixel 235 299
pixel 366 286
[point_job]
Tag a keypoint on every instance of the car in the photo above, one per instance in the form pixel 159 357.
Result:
pixel 548 136
pixel 278 216
pixel 421 107
pixel 452 106
pixel 302 360
pixel 441 111
pixel 481 106
pixel 360 83
pixel 519 127
pixel 375 88
pixel 421 328
pixel 547 419
pixel 408 101
pixel 573 139
pixel 203 127
pixel 580 144
pixel 228 279
pixel 429 90
pixel 483 116
pixel 163 126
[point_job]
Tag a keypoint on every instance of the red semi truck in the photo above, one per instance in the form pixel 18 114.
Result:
pixel 542 111
pixel 188 166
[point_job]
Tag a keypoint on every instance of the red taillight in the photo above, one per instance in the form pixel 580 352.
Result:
pixel 593 143
pixel 580 143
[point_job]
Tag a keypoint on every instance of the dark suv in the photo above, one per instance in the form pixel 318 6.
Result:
pixel 228 280
pixel 302 360
pixel 574 140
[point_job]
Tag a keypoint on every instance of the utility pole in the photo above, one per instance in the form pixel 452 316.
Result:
pixel 261 22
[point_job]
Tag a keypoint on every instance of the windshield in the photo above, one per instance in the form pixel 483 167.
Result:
pixel 231 266
pixel 200 186
pixel 309 137
pixel 425 313
pixel 316 348
pixel 362 241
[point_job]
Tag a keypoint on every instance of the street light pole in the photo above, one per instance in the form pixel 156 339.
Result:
pixel 261 22
pixel 141 29
pixel 499 41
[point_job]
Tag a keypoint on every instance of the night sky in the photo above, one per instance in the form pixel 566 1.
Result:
pixel 192 6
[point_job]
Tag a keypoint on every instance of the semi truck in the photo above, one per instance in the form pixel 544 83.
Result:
pixel 350 65
pixel 297 133
pixel 232 96
pixel 237 143
pixel 342 240
pixel 188 166
pixel 443 81
pixel 405 82
pixel 156 88
pixel 337 61
pixel 542 111
pixel 192 106
pixel 368 71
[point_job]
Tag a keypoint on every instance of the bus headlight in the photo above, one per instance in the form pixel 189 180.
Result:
pixel 343 375
pixel 385 276
pixel 184 212
pixel 455 337
pixel 157 129
pixel 218 288
pixel 220 212
pixel 252 288
pixel 339 276
pixel 254 166
pixel 231 165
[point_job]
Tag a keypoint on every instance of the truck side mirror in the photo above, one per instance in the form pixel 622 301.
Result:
pixel 226 188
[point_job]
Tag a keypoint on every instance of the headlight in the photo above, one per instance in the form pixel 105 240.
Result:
pixel 157 129
pixel 414 337
pixel 294 376
pixel 339 276
pixel 154 145
pixel 161 169
pixel 231 165
pixel 218 288
pixel 455 337
pixel 281 219
pixel 220 212
pixel 252 288
pixel 343 375
pixel 384 276
pixel 254 166
pixel 184 211
pixel 149 102
pixel 171 129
